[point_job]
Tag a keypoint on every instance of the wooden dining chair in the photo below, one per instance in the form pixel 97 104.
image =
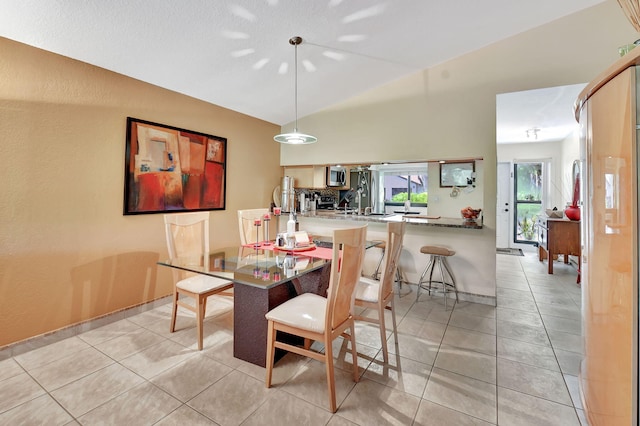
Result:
pixel 316 318
pixel 378 295
pixel 246 227
pixel 188 239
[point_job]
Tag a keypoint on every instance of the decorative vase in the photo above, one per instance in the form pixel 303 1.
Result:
pixel 572 212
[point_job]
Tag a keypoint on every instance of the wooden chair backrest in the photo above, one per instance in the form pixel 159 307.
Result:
pixel 245 224
pixel 346 268
pixel 395 236
pixel 187 234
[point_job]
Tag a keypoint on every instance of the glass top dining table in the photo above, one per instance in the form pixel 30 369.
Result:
pixel 263 278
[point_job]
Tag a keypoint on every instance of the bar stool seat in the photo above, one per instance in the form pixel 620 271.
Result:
pixel 382 245
pixel 438 257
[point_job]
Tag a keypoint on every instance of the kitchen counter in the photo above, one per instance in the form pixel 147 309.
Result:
pixel 446 222
pixel 473 263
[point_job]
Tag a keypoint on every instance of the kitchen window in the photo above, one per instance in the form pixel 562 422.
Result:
pixel 401 182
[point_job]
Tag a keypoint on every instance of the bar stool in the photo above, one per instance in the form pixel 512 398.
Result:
pixel 382 245
pixel 439 257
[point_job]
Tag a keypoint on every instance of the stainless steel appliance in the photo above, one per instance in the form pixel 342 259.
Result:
pixel 336 176
pixel 288 194
pixel 326 202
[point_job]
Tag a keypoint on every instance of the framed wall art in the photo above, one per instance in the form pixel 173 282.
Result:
pixel 458 173
pixel 168 169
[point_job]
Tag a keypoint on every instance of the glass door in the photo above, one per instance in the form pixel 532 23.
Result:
pixel 528 193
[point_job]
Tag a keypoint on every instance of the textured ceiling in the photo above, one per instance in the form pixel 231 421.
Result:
pixel 236 53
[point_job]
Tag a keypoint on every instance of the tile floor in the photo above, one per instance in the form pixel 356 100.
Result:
pixel 472 364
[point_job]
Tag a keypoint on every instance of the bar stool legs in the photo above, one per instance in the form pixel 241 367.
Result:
pixel 382 245
pixel 438 258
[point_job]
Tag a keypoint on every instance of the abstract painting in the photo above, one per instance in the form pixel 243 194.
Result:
pixel 168 169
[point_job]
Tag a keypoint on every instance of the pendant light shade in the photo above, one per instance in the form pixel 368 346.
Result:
pixel 295 138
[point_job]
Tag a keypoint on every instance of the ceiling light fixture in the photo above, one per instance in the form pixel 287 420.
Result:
pixel 295 138
pixel 532 133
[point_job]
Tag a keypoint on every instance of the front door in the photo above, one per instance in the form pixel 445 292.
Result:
pixel 503 205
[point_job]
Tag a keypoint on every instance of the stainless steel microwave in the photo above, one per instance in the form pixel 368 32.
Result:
pixel 336 176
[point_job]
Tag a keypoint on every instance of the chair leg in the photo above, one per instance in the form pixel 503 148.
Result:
pixel 200 318
pixel 354 352
pixel 393 319
pixel 331 385
pixel 383 332
pixel 174 311
pixel 376 272
pixel 444 283
pixel 271 350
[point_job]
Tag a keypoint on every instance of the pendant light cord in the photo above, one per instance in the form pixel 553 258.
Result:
pixel 295 129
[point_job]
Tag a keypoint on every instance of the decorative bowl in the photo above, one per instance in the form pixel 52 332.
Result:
pixel 554 214
pixel 470 213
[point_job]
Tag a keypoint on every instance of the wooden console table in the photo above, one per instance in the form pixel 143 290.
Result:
pixel 556 237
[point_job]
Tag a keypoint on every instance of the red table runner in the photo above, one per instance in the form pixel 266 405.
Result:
pixel 319 252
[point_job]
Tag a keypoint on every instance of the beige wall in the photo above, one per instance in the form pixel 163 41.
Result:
pixel 67 253
pixel 448 111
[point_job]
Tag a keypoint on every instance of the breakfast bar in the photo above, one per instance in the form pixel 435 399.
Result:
pixel 474 259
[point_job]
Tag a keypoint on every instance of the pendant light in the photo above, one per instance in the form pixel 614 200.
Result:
pixel 295 138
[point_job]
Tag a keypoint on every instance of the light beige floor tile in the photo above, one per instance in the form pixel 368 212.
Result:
pixel 83 395
pixel 555 299
pixel 310 384
pixel 190 377
pixel 399 373
pixel 527 353
pixel 527 305
pixel 142 405
pixel 574 390
pixel 569 361
pixel 571 312
pixel 422 328
pixel 371 403
pixel 231 399
pixel 524 333
pixel 337 420
pixel 418 349
pixel 513 294
pixel 285 409
pixel 566 341
pixel 157 358
pixel 73 367
pixel 565 325
pixel 185 415
pixel 468 363
pixel 582 417
pixel 42 410
pixel 343 360
pixel 520 317
pixel 473 322
pixel 515 408
pixel 470 340
pixel 475 309
pixel 532 380
pixel 285 368
pixel 108 332
pixel 469 396
pixel 431 414
pixel 222 349
pixel 53 352
pixel 9 368
pixel 126 345
pixel 512 284
pixel 17 390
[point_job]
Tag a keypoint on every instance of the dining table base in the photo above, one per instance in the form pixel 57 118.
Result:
pixel 252 303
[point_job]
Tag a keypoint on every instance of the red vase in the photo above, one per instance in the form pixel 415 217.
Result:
pixel 572 212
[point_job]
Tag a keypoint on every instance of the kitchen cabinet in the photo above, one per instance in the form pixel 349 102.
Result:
pixel 313 177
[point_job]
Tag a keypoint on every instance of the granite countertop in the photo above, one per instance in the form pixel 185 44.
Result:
pixel 447 222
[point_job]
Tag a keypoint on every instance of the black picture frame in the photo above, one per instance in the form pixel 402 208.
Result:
pixel 170 169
